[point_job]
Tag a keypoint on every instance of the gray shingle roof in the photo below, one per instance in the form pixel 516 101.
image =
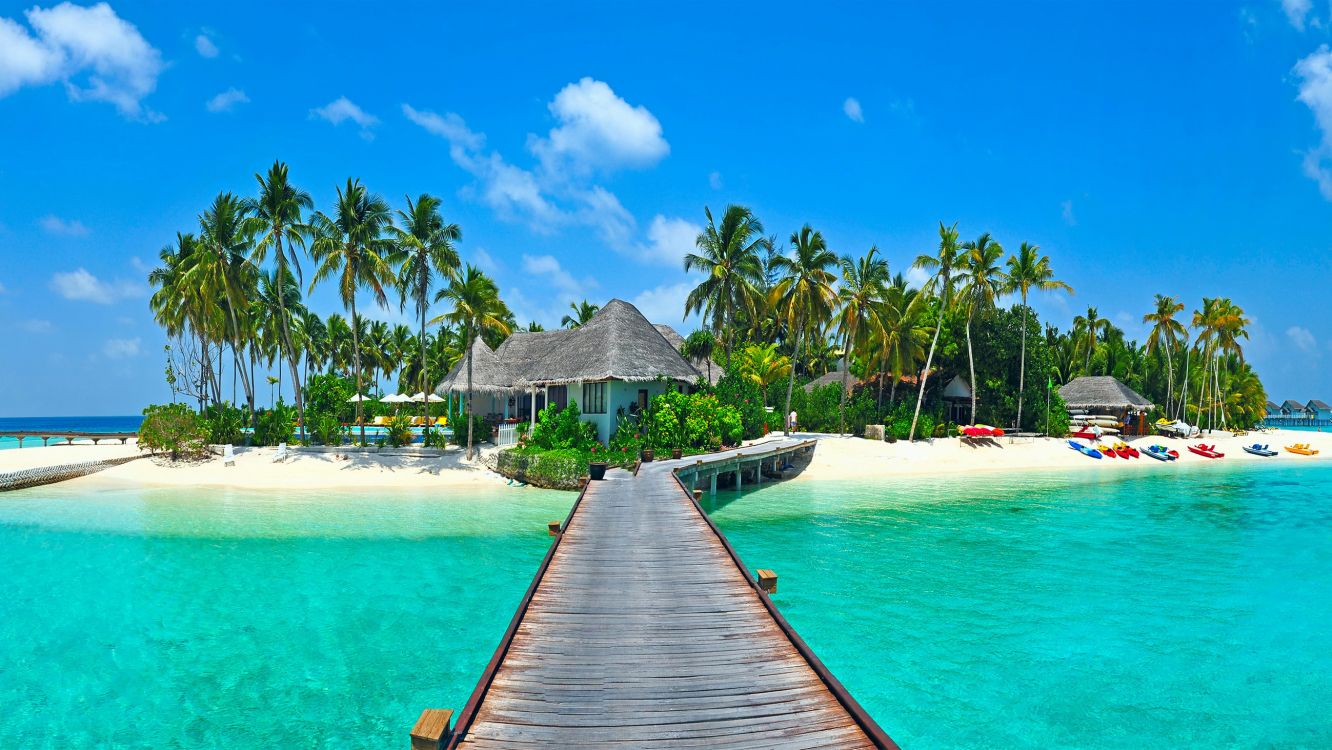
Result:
pixel 1101 392
pixel 1319 405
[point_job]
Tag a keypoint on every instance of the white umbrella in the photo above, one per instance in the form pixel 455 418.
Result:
pixel 358 397
pixel 396 398
pixel 432 398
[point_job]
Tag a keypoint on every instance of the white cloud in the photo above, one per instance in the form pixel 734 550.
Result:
pixel 227 100
pixel 598 130
pixel 664 304
pixel 1297 11
pixel 2 289
pixel 1302 338
pixel 138 265
pixel 36 326
pixel 852 109
pixel 98 56
pixel 67 228
pixel 81 285
pixel 448 126
pixel 668 239
pixel 342 109
pixel 1315 74
pixel 917 277
pixel 715 180
pixel 483 260
pixel 548 270
pixel 205 47
pixel 121 348
pixel 1066 212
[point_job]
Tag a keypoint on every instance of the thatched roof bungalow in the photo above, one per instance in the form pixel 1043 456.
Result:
pixel 1102 394
pixel 612 364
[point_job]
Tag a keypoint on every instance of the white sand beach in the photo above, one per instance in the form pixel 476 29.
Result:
pixel 835 458
pixel 852 458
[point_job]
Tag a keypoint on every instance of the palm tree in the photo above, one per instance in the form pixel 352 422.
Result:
pixel 942 266
pixel 351 246
pixel 864 286
pixel 178 306
pixel 1028 270
pixel 535 327
pixel 477 308
pixel 225 277
pixel 984 283
pixel 1166 334
pixel 729 255
pixel 902 334
pixel 803 291
pixel 582 312
pixel 1086 328
pixel 427 244
pixel 700 345
pixel 763 366
pixel 276 221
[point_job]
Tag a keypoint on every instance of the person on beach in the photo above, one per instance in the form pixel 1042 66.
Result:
pixel 791 421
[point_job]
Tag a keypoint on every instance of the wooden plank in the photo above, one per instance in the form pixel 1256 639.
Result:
pixel 642 629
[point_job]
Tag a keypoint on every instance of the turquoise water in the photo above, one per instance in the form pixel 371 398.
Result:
pixel 1188 608
pixel 55 424
pixel 160 618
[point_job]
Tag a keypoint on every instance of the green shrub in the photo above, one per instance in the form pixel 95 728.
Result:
pixel 327 429
pixel 275 425
pixel 435 437
pixel 557 469
pixel 327 393
pixel 746 398
pixel 559 429
pixel 480 426
pixel 626 440
pixel 399 431
pixel 224 424
pixel 174 429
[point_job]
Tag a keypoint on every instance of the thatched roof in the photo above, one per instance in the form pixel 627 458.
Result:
pixel 828 378
pixel 489 373
pixel 699 363
pixel 618 343
pixel 1101 392
pixel 957 388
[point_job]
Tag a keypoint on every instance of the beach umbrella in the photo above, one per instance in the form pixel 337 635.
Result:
pixel 358 397
pixel 432 398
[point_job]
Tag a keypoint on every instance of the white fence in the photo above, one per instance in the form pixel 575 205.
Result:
pixel 508 435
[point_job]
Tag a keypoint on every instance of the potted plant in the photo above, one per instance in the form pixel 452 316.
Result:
pixel 648 455
pixel 676 453
pixel 596 468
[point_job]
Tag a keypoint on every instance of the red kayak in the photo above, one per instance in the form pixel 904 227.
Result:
pixel 1206 451
pixel 1122 452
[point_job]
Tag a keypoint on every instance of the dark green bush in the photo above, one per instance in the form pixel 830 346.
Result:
pixel 745 396
pixel 174 429
pixel 327 429
pixel 224 424
pixel 399 431
pixel 559 429
pixel 275 425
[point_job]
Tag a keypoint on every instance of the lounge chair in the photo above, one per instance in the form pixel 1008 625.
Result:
pixel 228 455
pixel 379 422
pixel 281 454
pixel 418 421
pixel 442 422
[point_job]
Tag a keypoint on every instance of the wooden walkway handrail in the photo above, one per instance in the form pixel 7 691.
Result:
pixel 67 435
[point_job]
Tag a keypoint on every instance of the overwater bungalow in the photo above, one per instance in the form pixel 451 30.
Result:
pixel 1318 411
pixel 1102 394
pixel 611 365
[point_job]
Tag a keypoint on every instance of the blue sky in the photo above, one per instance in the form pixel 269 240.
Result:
pixel 1175 148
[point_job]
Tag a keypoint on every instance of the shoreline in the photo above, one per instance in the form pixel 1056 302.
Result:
pixel 836 458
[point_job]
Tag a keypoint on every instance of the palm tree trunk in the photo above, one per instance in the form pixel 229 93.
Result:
pixel 425 376
pixel 971 364
pixel 1170 379
pixel 925 374
pixel 790 383
pixel 1184 392
pixel 1022 368
pixel 254 413
pixel 289 351
pixel 471 419
pixel 883 365
pixel 356 362
pixel 846 374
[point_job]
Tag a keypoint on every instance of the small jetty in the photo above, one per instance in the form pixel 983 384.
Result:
pixel 69 437
pixel 643 628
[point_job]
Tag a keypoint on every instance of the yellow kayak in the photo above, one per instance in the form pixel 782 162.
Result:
pixel 1303 449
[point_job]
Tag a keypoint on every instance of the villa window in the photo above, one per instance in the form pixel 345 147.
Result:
pixel 594 398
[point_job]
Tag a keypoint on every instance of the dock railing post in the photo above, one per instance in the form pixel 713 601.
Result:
pixel 432 729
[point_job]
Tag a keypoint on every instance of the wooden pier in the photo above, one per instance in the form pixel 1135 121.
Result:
pixel 642 628
pixel 68 437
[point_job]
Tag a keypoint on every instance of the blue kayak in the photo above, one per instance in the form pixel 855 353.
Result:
pixel 1159 452
pixel 1084 450
pixel 1260 450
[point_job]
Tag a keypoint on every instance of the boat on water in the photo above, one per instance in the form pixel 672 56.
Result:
pixel 1161 453
pixel 1259 450
pixel 1206 451
pixel 1084 450
pixel 1303 449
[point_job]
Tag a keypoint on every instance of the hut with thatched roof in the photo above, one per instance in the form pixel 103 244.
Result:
pixel 827 379
pixel 612 364
pixel 1103 394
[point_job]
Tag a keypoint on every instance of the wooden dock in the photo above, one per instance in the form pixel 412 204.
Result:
pixel 642 629
pixel 67 436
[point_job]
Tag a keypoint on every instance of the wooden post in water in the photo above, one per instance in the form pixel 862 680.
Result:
pixel 712 484
pixel 432 729
pixel 767 580
pixel 698 494
pixel 553 528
